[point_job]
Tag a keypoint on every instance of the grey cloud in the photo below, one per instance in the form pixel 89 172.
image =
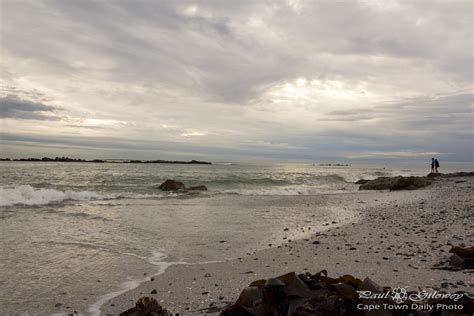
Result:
pixel 13 107
pixel 445 109
pixel 229 62
pixel 162 147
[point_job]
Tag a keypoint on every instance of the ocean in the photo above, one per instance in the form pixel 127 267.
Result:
pixel 75 234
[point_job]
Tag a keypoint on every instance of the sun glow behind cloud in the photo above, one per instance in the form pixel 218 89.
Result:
pixel 303 89
pixel 192 134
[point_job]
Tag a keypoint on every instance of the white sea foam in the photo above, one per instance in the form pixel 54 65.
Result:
pixel 295 190
pixel 28 195
pixel 157 259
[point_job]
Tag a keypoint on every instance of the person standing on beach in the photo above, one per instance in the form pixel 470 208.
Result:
pixel 436 163
pixel 432 165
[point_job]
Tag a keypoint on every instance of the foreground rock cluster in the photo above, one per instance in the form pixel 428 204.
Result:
pixel 318 294
pixel 461 258
pixel 406 183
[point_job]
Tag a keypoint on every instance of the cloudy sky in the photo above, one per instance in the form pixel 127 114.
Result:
pixel 237 80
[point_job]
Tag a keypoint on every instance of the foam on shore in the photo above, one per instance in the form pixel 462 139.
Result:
pixel 28 195
pixel 156 259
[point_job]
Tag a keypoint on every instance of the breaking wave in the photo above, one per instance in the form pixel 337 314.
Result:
pixel 28 195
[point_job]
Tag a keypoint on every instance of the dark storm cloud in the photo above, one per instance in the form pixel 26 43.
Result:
pixel 13 107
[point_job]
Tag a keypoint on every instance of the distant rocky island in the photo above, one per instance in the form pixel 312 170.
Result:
pixel 67 159
pixel 333 165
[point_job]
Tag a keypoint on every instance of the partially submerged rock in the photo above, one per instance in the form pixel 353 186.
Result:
pixel 362 181
pixel 172 185
pixel 177 186
pixel 198 188
pixel 395 183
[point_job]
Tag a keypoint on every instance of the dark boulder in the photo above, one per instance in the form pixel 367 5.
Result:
pixel 396 183
pixel 362 181
pixel 198 188
pixel 172 185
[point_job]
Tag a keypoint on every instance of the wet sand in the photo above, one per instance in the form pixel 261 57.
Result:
pixel 396 241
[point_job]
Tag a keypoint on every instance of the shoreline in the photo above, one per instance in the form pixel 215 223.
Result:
pixel 130 285
pixel 95 308
pixel 405 261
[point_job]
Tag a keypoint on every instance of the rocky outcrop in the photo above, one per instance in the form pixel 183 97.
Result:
pixel 172 185
pixel 396 183
pixel 407 183
pixel 198 188
pixel 67 159
pixel 192 162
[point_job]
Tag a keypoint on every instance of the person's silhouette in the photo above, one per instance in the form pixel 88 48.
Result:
pixel 432 165
pixel 436 162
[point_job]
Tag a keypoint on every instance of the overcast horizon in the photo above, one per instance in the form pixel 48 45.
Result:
pixel 237 80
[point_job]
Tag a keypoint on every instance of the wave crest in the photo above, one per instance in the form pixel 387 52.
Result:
pixel 28 195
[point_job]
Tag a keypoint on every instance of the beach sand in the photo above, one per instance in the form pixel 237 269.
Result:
pixel 395 242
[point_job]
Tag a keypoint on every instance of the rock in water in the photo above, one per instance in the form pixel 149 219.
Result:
pixel 172 185
pixel 395 183
pixel 362 181
pixel 198 188
pixel 409 183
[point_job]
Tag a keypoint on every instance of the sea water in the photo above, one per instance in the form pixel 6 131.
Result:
pixel 73 235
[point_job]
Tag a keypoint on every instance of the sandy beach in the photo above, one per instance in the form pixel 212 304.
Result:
pixel 395 240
